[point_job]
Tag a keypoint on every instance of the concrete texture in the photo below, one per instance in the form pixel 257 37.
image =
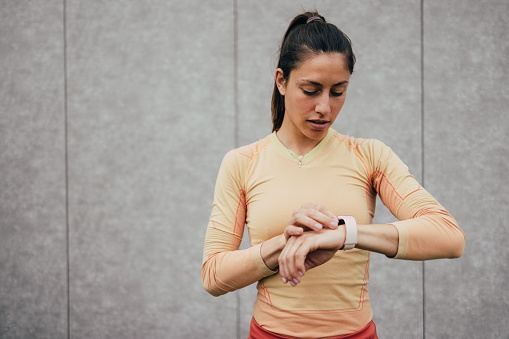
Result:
pixel 115 117
pixel 466 161
pixel 33 278
pixel 150 115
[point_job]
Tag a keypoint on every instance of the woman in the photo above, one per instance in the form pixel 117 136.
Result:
pixel 307 194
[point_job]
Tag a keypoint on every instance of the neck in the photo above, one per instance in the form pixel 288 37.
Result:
pixel 300 145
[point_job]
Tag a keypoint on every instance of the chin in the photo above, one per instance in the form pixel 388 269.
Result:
pixel 318 134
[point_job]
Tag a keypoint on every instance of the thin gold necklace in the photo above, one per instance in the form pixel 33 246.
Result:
pixel 299 159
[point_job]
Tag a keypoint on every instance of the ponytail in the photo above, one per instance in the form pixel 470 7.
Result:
pixel 308 34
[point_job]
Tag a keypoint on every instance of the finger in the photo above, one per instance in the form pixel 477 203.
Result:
pixel 291 230
pixel 313 219
pixel 295 256
pixel 300 259
pixel 301 218
pixel 287 262
pixel 331 220
pixel 283 271
pixel 287 259
pixel 319 207
pixel 304 246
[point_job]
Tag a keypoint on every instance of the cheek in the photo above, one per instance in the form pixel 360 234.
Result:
pixel 337 107
pixel 299 103
pixel 305 103
pixel 340 104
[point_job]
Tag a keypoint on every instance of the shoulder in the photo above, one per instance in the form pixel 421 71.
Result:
pixel 372 152
pixel 366 145
pixel 240 158
pixel 252 150
pixel 348 140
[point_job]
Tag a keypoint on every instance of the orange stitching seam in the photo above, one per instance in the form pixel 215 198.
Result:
pixel 418 189
pixel 244 155
pixel 241 194
pixel 251 163
pixel 345 310
pixel 383 175
pixel 354 148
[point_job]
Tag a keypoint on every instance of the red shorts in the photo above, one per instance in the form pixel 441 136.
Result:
pixel 256 332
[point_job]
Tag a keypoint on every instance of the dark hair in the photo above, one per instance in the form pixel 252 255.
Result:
pixel 302 40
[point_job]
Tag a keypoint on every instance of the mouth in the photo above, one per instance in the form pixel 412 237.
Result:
pixel 318 124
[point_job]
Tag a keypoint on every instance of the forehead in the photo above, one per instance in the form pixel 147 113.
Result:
pixel 325 66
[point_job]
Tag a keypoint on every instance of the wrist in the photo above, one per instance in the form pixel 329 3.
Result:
pixel 271 249
pixel 282 242
pixel 341 237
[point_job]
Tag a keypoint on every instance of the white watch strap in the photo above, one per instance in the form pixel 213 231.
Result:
pixel 351 231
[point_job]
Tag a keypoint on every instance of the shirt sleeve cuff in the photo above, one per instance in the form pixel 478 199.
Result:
pixel 403 241
pixel 260 264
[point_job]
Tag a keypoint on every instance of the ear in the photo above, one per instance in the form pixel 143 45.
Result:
pixel 280 81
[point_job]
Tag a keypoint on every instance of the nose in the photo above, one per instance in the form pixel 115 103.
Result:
pixel 323 104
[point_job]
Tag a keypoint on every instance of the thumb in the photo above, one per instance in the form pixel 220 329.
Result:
pixel 291 230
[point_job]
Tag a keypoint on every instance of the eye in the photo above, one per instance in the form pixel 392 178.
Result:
pixel 309 93
pixel 336 94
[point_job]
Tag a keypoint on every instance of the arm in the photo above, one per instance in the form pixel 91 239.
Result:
pixel 313 217
pixel 225 268
pixel 426 230
pixel 312 249
pixel 381 238
pixel 227 271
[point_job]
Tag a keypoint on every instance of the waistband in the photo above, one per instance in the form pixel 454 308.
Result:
pixel 257 332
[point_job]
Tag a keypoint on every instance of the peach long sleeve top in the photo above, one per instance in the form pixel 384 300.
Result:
pixel 260 185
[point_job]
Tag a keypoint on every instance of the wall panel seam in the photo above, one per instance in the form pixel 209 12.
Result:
pixel 236 73
pixel 236 129
pixel 422 161
pixel 66 157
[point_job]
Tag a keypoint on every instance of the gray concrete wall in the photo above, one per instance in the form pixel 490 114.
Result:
pixel 115 116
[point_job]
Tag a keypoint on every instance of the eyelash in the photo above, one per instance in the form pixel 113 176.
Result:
pixel 334 94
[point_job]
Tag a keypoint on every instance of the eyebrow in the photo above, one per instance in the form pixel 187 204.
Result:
pixel 319 84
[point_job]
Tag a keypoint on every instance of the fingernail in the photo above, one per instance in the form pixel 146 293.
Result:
pixel 300 273
pixel 318 226
pixel 333 224
pixel 295 281
pixel 292 283
pixel 284 280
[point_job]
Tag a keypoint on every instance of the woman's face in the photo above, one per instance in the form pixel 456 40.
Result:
pixel 314 94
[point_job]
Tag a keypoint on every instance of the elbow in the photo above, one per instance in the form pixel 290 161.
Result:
pixel 455 241
pixel 456 245
pixel 457 250
pixel 212 291
pixel 208 282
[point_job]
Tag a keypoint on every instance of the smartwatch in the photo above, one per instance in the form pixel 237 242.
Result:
pixel 351 231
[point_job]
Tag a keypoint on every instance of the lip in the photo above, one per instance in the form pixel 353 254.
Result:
pixel 318 124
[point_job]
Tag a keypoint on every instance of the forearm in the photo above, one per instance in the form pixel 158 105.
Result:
pixel 226 269
pixel 430 237
pixel 380 238
pixel 229 271
pixel 271 249
pixel 426 229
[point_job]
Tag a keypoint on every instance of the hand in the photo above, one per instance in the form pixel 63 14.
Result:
pixel 308 250
pixel 310 217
